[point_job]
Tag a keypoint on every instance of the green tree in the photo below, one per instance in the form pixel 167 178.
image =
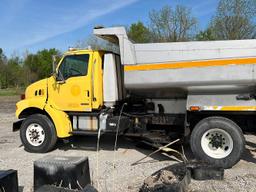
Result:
pixel 14 72
pixel 235 19
pixel 30 68
pixel 3 68
pixel 139 33
pixel 173 25
pixel 39 65
pixel 206 35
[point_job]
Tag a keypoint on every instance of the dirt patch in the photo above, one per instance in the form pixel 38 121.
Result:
pixel 164 177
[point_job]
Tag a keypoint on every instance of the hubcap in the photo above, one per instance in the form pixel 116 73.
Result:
pixel 217 143
pixel 35 134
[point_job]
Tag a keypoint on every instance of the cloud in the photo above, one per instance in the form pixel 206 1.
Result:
pixel 41 21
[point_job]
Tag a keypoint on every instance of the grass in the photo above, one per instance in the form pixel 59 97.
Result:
pixel 11 91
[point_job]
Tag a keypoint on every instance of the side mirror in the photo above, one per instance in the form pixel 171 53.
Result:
pixel 54 74
pixel 59 77
pixel 54 63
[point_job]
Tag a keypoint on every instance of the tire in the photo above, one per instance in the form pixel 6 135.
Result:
pixel 218 141
pixel 42 130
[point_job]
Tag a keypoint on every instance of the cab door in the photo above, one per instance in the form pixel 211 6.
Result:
pixel 71 89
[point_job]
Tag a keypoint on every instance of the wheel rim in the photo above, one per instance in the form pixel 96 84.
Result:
pixel 35 134
pixel 217 143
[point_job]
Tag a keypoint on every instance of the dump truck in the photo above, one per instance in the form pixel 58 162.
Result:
pixel 201 91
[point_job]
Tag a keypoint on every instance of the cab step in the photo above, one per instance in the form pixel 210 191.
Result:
pixel 82 132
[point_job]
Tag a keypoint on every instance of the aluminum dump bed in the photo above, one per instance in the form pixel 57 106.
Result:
pixel 176 69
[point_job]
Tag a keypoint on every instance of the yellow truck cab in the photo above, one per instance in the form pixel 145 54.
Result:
pixel 66 102
pixel 204 91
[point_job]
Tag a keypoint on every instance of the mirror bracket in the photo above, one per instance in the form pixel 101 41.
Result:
pixel 61 82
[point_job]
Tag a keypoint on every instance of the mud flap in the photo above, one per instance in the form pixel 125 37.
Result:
pixel 16 125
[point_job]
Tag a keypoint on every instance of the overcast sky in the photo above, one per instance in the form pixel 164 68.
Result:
pixel 32 25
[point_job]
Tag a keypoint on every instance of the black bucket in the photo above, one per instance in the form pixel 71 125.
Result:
pixel 205 171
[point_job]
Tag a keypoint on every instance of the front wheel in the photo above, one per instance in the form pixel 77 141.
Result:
pixel 38 134
pixel 217 140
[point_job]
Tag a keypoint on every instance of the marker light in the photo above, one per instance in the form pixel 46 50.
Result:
pixel 22 96
pixel 194 108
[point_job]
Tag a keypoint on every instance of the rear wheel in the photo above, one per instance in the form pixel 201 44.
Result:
pixel 38 134
pixel 217 140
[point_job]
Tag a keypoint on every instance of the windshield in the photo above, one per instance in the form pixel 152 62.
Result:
pixel 74 65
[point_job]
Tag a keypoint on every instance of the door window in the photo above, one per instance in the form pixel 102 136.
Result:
pixel 74 65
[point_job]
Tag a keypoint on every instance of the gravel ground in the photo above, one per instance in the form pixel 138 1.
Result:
pixel 112 175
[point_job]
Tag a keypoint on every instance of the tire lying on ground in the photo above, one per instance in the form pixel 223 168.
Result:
pixel 217 140
pixel 38 134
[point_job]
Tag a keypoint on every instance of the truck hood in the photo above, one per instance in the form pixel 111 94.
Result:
pixel 37 89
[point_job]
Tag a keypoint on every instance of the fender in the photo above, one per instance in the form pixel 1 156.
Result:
pixel 60 119
pixel 35 102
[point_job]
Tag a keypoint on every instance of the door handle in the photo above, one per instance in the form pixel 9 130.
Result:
pixel 88 93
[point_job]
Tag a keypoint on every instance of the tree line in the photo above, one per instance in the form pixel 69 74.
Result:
pixel 233 19
pixel 20 72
